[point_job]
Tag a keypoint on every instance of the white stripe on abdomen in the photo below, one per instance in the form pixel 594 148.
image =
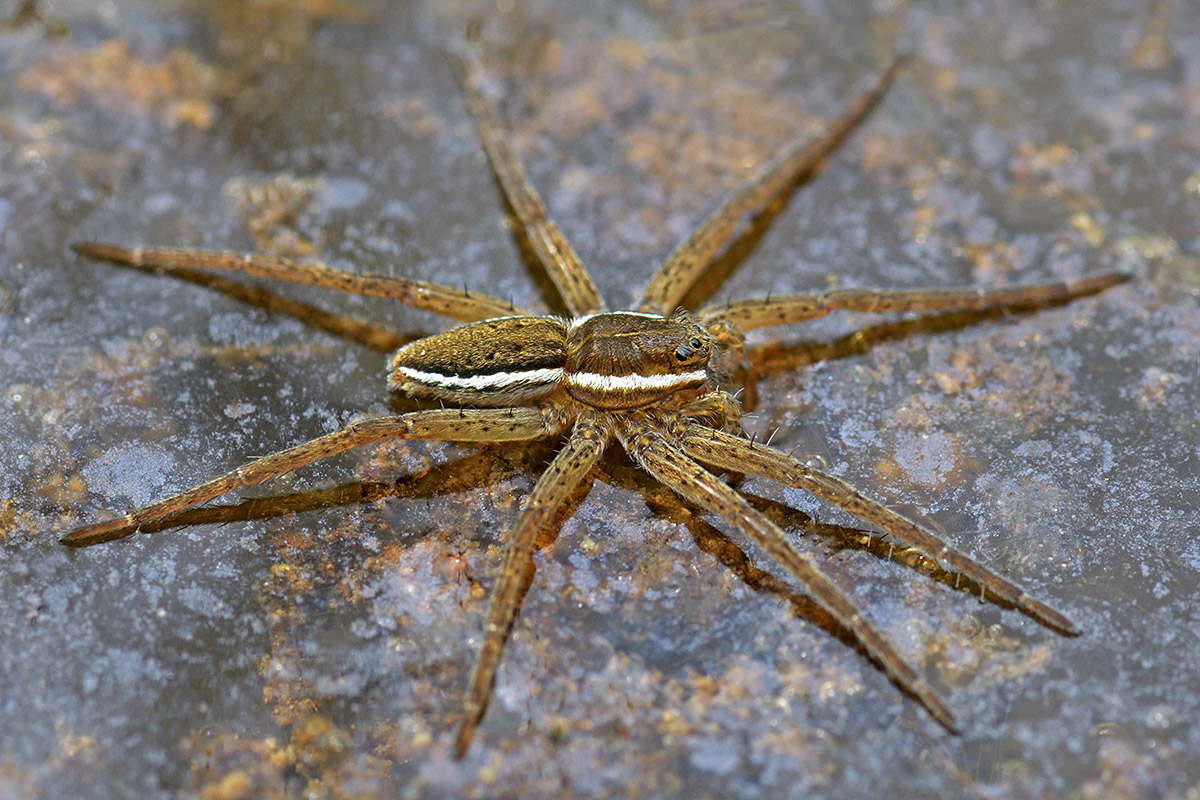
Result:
pixel 492 382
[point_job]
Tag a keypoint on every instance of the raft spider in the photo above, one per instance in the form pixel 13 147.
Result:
pixel 648 378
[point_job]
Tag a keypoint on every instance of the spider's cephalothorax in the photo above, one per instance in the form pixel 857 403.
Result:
pixel 644 378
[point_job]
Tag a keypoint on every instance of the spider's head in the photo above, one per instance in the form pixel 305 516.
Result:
pixel 626 359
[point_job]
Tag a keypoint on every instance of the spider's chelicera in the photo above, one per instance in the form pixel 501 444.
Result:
pixel 647 378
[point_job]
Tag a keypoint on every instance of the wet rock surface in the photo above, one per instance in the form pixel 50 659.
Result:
pixel 313 635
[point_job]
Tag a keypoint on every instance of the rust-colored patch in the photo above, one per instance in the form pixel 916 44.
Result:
pixel 275 212
pixel 971 655
pixel 179 88
pixel 1155 385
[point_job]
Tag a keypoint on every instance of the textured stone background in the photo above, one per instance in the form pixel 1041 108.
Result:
pixel 311 641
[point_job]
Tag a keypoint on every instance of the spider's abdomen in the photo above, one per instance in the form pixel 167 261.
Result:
pixel 509 361
pixel 626 359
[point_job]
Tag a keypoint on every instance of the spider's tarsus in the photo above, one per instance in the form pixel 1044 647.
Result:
pixel 97 532
pixel 1047 615
pixel 462 740
pixel 105 252
pixel 1100 282
pixel 940 712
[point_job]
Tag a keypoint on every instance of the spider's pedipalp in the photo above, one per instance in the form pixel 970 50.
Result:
pixel 569 468
pixel 730 452
pixel 670 465
pixel 717 409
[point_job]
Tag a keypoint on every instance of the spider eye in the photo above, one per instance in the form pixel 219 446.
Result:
pixel 682 353
pixel 696 343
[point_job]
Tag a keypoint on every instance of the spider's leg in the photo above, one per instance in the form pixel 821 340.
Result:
pixel 798 162
pixel 569 467
pixel 365 333
pixel 667 463
pixel 553 251
pixel 764 312
pixel 447 301
pixel 722 450
pixel 464 425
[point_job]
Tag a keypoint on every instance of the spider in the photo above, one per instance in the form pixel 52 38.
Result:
pixel 647 378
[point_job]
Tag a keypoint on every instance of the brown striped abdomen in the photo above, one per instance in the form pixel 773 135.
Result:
pixel 509 361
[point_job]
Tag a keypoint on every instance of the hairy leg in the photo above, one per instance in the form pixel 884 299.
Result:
pixel 730 452
pixel 570 466
pixel 797 163
pixel 458 304
pixel 473 425
pixel 553 251
pixel 666 462
pixel 765 312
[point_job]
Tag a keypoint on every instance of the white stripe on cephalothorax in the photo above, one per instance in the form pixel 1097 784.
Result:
pixel 494 381
pixel 625 383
